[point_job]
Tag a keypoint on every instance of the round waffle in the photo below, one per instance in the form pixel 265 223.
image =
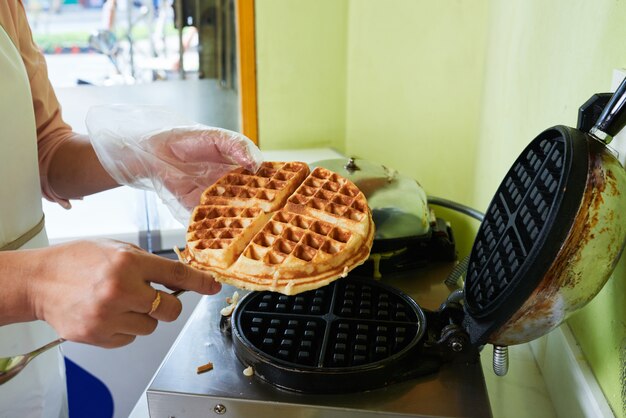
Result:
pixel 282 229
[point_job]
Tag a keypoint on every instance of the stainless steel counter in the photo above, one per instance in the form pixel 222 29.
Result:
pixel 178 391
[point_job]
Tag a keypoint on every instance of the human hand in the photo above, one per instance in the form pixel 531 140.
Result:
pixel 152 149
pixel 187 160
pixel 99 292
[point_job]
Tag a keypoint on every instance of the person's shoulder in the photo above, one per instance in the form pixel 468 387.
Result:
pixel 14 21
pixel 12 16
pixel 12 9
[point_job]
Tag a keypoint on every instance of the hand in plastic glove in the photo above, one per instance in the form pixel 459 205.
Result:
pixel 153 149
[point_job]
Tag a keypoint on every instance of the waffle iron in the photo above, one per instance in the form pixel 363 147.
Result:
pixel 558 210
pixel 355 334
pixel 408 234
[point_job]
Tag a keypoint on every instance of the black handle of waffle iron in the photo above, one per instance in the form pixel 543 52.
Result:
pixel 613 117
pixel 589 113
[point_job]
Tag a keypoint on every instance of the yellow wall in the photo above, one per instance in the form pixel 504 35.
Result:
pixel 397 82
pixel 448 92
pixel 415 77
pixel 301 73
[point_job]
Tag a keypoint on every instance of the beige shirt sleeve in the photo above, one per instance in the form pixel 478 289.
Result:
pixel 51 130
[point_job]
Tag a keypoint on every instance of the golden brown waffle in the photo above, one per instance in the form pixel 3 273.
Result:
pixel 218 234
pixel 279 229
pixel 266 189
pixel 328 196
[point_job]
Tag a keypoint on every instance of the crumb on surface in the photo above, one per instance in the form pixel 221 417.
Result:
pixel 204 368
pixel 232 302
pixel 248 371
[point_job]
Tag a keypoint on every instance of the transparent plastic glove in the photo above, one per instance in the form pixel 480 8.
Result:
pixel 152 148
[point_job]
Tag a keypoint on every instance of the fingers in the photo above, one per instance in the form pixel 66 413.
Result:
pixel 195 146
pixel 191 159
pixel 191 199
pixel 167 309
pixel 136 324
pixel 128 326
pixel 186 190
pixel 119 330
pixel 177 275
pixel 216 145
pixel 111 329
pixel 104 297
pixel 117 340
pixel 240 150
pixel 142 267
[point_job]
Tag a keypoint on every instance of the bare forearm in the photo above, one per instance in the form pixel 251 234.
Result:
pixel 75 170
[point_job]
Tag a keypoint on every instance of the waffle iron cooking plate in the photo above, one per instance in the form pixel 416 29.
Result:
pixel 354 334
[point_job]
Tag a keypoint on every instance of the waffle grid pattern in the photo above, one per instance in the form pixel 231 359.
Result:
pixel 288 234
pixel 347 324
pixel 325 191
pixel 215 228
pixel 514 223
pixel 260 186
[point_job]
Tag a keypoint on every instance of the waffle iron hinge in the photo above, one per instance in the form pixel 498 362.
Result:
pixel 447 339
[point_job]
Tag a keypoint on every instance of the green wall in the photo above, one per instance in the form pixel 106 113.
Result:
pixel 301 73
pixel 448 92
pixel 414 88
pixel 396 82
pixel 415 77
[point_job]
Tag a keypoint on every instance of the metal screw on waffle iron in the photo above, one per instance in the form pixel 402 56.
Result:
pixel 219 409
pixel 500 360
pixel 456 345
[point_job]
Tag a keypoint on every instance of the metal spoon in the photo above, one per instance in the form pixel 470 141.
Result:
pixel 11 366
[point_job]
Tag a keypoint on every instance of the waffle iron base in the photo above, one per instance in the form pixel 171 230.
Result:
pixel 455 390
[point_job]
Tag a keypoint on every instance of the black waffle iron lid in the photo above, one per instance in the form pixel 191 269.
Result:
pixel 531 216
pixel 523 229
